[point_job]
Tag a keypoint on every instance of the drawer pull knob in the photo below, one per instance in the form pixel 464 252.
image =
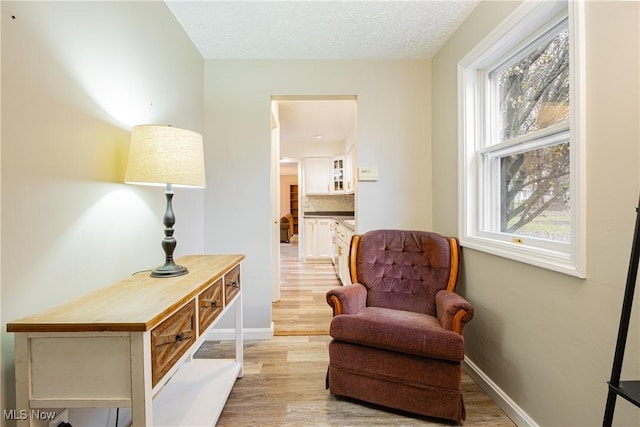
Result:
pixel 206 303
pixel 234 283
pixel 173 338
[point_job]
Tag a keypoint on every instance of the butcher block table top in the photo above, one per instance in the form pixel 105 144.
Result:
pixel 135 304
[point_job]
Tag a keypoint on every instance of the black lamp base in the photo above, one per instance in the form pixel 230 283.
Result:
pixel 169 269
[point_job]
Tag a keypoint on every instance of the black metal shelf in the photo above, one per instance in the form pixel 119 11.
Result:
pixel 629 390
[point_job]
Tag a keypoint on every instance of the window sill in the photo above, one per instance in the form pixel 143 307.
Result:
pixel 560 262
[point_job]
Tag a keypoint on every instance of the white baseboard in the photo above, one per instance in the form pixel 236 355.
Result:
pixel 513 411
pixel 247 334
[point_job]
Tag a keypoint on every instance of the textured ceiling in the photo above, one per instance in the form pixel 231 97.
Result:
pixel 319 29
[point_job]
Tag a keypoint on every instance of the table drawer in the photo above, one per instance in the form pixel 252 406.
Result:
pixel 171 339
pixel 231 283
pixel 210 304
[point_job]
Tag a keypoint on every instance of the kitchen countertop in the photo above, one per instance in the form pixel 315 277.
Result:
pixel 348 223
pixel 346 218
pixel 335 214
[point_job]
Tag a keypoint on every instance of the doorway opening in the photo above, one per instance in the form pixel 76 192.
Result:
pixel 306 130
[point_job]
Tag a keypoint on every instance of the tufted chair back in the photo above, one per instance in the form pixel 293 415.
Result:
pixel 404 270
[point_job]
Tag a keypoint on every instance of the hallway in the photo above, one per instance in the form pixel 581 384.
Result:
pixel 302 309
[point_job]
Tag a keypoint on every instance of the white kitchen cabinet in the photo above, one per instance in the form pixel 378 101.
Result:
pixel 317 175
pixel 349 172
pixel 324 233
pixel 325 175
pixel 343 242
pixel 318 239
pixel 338 182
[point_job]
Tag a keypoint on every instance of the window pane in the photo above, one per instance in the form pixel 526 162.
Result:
pixel 534 188
pixel 533 93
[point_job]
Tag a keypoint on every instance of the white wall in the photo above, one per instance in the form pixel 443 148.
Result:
pixel 393 134
pixel 75 77
pixel 547 339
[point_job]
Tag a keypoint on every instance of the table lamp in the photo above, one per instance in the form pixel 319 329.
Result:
pixel 165 155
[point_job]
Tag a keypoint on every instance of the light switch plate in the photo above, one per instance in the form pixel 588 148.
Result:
pixel 367 174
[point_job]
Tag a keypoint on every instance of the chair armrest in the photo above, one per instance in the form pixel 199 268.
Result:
pixel 453 311
pixel 348 299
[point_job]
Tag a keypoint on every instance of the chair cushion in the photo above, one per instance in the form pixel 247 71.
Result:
pixel 398 330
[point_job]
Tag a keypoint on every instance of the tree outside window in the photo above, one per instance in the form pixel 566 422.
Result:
pixel 532 89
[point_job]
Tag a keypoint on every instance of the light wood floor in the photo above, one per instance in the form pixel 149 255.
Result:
pixel 284 377
pixel 303 309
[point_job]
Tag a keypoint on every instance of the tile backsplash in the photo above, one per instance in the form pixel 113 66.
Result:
pixel 337 203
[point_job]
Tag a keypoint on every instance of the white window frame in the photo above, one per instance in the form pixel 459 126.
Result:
pixel 526 23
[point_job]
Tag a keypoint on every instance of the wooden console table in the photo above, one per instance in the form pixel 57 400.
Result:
pixel 131 345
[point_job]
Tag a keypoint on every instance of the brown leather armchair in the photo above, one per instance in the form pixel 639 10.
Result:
pixel 397 330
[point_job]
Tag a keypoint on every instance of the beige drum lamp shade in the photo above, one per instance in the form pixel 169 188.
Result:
pixel 165 155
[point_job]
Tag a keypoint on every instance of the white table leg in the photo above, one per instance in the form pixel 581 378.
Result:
pixel 23 381
pixel 141 390
pixel 239 334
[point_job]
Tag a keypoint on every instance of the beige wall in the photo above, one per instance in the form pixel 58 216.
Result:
pixel 393 134
pixel 75 77
pixel 547 339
